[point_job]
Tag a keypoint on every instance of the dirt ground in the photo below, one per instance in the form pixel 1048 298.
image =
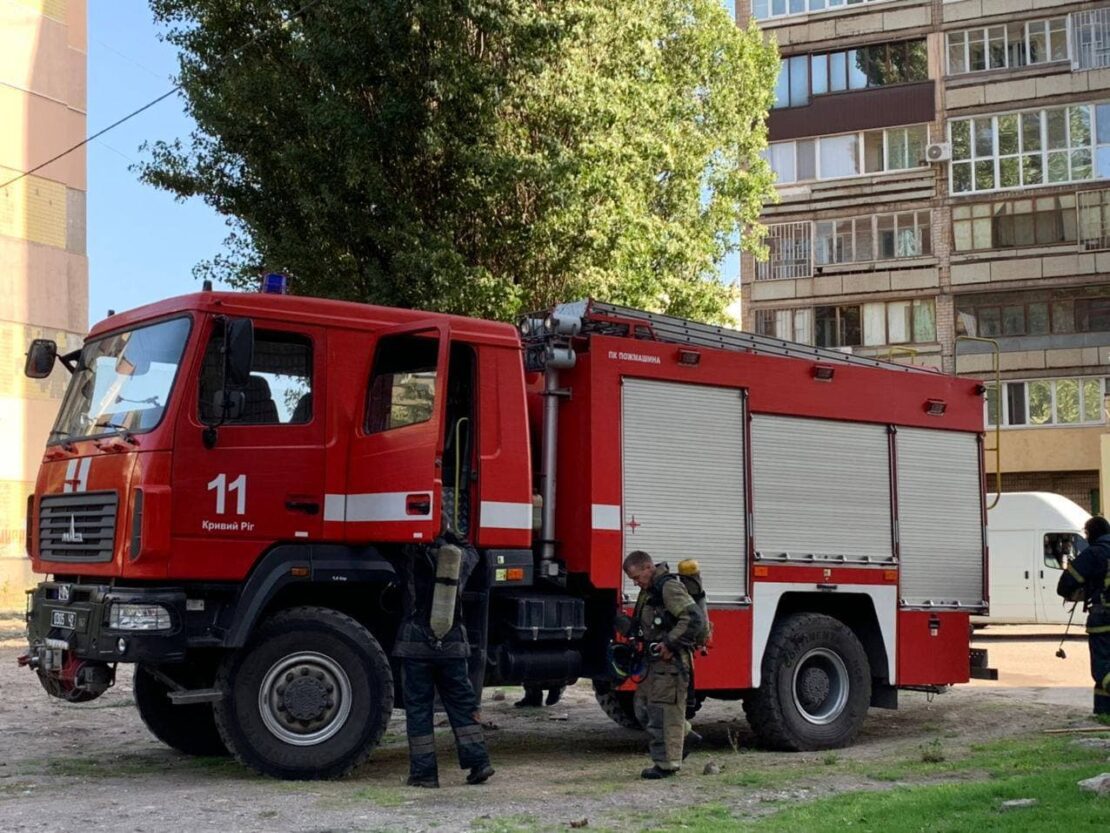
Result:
pixel 95 767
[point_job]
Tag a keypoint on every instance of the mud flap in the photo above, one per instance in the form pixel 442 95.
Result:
pixel 979 669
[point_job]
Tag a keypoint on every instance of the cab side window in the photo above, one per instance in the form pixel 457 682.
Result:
pixel 280 388
pixel 402 383
pixel 1062 547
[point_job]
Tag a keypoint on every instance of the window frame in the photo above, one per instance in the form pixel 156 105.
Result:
pixel 1027 29
pixel 811 7
pixel 861 159
pixel 292 334
pixel 1004 402
pixel 1046 154
pixel 434 332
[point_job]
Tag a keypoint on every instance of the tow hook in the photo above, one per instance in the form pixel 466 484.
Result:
pixel 27 660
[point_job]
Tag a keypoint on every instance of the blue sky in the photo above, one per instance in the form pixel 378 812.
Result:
pixel 142 243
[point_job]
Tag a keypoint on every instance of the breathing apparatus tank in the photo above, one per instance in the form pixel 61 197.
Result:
pixel 446 593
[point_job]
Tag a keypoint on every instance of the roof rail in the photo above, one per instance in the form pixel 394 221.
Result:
pixel 611 319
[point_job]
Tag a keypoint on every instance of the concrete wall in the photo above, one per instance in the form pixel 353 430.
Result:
pixel 43 267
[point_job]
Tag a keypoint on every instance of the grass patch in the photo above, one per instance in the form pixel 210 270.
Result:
pixel 111 767
pixel 1017 756
pixel 521 823
pixel 1046 769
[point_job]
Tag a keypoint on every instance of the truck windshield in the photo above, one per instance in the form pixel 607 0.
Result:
pixel 122 382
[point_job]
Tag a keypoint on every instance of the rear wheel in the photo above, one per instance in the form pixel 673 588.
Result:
pixel 308 698
pixel 190 728
pixel 815 688
pixel 619 705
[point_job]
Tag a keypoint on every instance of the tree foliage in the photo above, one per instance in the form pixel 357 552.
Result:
pixel 474 156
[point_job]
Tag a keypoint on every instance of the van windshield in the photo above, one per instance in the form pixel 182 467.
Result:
pixel 123 382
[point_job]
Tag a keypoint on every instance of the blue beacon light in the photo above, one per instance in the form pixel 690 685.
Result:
pixel 275 283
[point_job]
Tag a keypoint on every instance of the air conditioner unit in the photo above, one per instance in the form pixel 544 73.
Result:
pixel 939 152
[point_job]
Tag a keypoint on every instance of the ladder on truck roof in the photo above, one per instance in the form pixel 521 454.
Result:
pixel 611 319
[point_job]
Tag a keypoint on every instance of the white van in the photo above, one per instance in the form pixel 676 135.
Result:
pixel 1027 533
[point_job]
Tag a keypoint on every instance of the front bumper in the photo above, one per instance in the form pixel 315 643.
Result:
pixel 63 616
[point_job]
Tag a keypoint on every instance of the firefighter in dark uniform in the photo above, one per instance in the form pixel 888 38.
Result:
pixel 433 648
pixel 669 619
pixel 1087 579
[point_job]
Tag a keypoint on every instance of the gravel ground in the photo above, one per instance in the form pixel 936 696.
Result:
pixel 94 766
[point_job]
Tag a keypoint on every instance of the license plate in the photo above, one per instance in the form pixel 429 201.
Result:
pixel 63 619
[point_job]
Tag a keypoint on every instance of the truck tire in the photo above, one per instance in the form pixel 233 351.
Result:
pixel 619 705
pixel 190 729
pixel 309 697
pixel 815 688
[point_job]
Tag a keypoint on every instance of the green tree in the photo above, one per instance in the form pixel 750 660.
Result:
pixel 474 156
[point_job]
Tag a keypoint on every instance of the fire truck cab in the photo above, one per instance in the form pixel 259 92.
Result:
pixel 233 478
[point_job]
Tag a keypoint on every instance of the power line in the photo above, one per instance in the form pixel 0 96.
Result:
pixel 151 103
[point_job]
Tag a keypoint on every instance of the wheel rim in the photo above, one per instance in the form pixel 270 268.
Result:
pixel 305 698
pixel 820 686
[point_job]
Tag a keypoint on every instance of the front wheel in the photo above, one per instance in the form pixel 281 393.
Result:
pixel 815 687
pixel 308 698
pixel 188 728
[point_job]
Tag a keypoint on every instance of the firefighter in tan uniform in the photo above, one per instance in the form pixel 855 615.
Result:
pixel 669 620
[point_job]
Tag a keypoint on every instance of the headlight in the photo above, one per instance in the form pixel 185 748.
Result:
pixel 132 617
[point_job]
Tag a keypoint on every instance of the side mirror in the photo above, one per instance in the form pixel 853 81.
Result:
pixel 40 358
pixel 229 404
pixel 238 352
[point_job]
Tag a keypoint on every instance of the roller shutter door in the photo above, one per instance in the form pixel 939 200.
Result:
pixel 821 488
pixel 682 448
pixel 940 523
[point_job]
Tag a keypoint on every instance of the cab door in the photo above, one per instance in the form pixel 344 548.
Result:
pixel 394 476
pixel 262 481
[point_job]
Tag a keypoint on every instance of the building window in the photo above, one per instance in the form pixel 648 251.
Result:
pixel 1094 219
pixel 874 237
pixel 848 155
pixel 1042 221
pixel 837 326
pixel 1035 312
pixel 1008 46
pixel 789 246
pixel 1040 402
pixel 1040 147
pixel 788 324
pixel 875 324
pixel 900 322
pixel 1090 39
pixel 769 9
pixel 877 65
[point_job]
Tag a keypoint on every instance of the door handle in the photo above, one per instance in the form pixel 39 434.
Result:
pixel 309 507
pixel 418 504
pixel 1027 575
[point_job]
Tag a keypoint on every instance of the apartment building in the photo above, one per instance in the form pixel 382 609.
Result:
pixel 43 267
pixel 944 175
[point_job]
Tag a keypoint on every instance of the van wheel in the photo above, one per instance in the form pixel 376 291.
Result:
pixel 619 705
pixel 308 698
pixel 816 685
pixel 190 729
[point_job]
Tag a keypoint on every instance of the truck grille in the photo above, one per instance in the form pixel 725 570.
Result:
pixel 79 526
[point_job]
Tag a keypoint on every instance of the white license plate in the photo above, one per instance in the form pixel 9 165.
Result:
pixel 63 619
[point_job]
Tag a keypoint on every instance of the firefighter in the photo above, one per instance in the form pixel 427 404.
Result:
pixel 1087 579
pixel 669 620
pixel 433 648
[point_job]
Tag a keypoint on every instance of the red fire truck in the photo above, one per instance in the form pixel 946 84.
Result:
pixel 233 478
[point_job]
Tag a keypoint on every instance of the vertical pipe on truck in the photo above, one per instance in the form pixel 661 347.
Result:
pixel 547 481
